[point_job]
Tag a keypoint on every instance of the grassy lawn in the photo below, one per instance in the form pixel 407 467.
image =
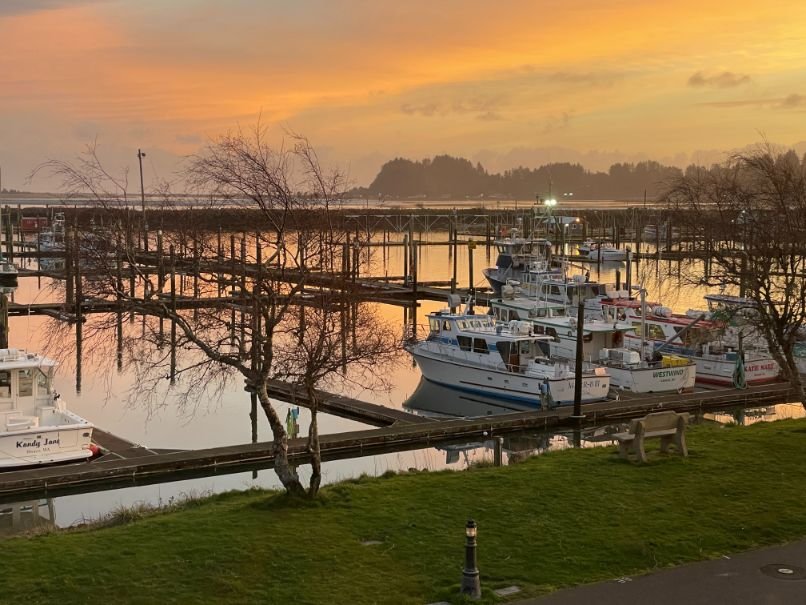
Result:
pixel 556 520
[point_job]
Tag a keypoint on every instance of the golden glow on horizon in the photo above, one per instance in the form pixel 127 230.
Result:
pixel 419 78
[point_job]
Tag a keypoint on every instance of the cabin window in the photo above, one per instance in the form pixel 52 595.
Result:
pixel 465 342
pixel 5 385
pixel 555 290
pixel 433 324
pixel 42 383
pixel 480 346
pixel 538 330
pixel 553 333
pixel 25 382
pixel 446 326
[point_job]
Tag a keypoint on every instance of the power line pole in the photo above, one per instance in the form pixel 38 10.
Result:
pixel 140 156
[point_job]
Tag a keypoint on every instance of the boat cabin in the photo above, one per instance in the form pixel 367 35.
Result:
pixel 26 388
pixel 479 334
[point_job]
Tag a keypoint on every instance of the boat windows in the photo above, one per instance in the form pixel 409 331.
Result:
pixel 480 346
pixel 42 383
pixel 5 389
pixel 465 342
pixel 446 326
pixel 552 332
pixel 433 324
pixel 25 382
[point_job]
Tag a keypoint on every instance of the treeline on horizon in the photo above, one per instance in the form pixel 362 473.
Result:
pixel 445 176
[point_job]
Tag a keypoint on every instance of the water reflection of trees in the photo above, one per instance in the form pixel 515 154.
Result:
pixel 254 308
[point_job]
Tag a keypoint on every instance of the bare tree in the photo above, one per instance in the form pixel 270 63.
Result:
pixel 335 341
pixel 247 291
pixel 750 212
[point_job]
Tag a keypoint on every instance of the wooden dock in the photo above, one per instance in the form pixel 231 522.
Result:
pixel 135 465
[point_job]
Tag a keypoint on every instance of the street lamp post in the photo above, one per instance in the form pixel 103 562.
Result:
pixel 140 156
pixel 471 585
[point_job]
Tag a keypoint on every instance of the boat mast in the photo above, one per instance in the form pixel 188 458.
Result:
pixel 643 321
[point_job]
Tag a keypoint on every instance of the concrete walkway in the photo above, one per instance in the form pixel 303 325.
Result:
pixel 770 576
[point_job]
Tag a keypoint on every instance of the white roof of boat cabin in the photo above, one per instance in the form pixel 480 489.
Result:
pixel 525 302
pixel 590 325
pixel 11 359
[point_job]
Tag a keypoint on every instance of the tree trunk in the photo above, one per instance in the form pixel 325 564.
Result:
pixel 285 472
pixel 313 445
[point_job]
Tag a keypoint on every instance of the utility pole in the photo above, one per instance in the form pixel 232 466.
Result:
pixel 140 156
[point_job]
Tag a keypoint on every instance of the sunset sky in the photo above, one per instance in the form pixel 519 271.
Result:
pixel 505 83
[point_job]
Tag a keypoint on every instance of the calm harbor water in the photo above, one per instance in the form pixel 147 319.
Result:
pixel 103 395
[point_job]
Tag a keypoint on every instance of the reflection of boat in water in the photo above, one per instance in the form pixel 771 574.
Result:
pixel 53 238
pixel 8 275
pixel 20 517
pixel 471 353
pixel 35 426
pixel 434 400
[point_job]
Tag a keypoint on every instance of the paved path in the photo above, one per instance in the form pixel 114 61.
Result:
pixel 751 578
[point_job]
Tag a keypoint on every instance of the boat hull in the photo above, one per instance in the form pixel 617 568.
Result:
pixel 524 389
pixel 653 380
pixel 45 445
pixel 721 372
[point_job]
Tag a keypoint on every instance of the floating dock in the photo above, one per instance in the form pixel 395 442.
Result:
pixel 127 464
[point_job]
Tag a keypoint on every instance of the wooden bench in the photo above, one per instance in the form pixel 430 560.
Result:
pixel 669 426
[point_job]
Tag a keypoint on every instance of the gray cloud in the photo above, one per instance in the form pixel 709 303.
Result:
pixel 793 101
pixel 584 79
pixel 727 79
pixel 190 139
pixel 17 7
pixel 424 109
pixel 485 107
pixel 556 123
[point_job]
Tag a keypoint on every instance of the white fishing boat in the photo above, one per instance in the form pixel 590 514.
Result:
pixel 517 256
pixel 601 251
pixel 472 354
pixel 52 239
pixel 569 291
pixel 693 335
pixel 35 426
pixel 602 347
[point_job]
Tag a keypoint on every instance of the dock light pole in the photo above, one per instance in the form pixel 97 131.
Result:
pixel 471 585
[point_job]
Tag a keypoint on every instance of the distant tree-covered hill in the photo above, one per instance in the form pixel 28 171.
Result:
pixel 457 178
